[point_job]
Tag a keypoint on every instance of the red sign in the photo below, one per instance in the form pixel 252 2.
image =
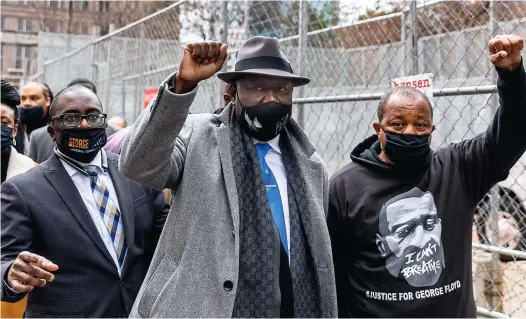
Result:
pixel 149 94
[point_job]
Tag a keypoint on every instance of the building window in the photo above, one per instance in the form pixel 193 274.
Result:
pixel 104 6
pixel 24 25
pixel 54 26
pixel 80 5
pixel 2 58
pixel 23 53
pixel 2 23
pixel 54 4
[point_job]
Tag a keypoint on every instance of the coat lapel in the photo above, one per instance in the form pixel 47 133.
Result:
pixel 59 178
pixel 222 134
pixel 122 188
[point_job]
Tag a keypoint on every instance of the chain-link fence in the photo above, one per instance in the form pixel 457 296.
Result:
pixel 351 53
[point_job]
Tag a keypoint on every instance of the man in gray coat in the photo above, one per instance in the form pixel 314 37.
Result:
pixel 247 236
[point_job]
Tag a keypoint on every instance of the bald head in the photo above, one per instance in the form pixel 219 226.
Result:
pixel 76 96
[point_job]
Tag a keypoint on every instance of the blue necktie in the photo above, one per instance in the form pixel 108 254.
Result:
pixel 274 198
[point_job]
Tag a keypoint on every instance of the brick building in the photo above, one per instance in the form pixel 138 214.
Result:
pixel 21 20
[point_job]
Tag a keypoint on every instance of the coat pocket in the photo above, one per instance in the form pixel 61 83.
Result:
pixel 158 280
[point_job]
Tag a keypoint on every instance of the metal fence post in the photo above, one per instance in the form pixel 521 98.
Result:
pixel 108 79
pixel 45 74
pixel 495 271
pixel 404 23
pixel 224 39
pixel 140 81
pixel 413 12
pixel 93 63
pixel 303 29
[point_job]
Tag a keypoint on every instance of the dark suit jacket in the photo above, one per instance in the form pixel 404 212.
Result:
pixel 41 145
pixel 42 212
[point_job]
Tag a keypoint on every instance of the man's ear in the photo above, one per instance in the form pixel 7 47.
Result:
pixel 232 91
pixel 51 132
pixel 377 127
pixel 431 135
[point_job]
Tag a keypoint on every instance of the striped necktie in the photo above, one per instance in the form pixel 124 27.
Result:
pixel 109 212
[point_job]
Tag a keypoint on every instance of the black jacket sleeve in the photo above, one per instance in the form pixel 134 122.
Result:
pixel 487 158
pixel 17 234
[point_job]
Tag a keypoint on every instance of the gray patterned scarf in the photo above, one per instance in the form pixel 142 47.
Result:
pixel 258 292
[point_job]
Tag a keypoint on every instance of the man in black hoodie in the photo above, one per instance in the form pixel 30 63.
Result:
pixel 400 216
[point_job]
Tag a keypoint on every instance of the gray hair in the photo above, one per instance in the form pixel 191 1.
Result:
pixel 405 91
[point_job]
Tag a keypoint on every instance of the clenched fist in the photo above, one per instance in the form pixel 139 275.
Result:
pixel 505 51
pixel 199 62
pixel 29 271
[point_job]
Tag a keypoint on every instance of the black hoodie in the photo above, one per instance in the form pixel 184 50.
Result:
pixel 402 240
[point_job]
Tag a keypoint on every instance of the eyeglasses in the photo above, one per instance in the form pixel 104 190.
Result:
pixel 74 119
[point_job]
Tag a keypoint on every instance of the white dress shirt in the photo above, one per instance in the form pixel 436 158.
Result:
pixel 275 163
pixel 83 184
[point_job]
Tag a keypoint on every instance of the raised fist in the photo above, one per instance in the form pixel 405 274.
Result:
pixel 505 51
pixel 200 61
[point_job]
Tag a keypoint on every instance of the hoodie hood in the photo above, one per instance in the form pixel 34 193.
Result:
pixel 367 153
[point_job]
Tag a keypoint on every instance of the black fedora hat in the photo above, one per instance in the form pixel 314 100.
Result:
pixel 262 56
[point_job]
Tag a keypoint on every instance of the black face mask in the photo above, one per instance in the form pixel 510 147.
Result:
pixel 407 151
pixel 7 137
pixel 81 144
pixel 265 121
pixel 32 117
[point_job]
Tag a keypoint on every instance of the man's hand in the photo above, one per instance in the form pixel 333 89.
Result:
pixel 199 62
pixel 29 271
pixel 505 51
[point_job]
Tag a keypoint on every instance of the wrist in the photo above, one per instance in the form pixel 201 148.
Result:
pixel 183 86
pixel 513 67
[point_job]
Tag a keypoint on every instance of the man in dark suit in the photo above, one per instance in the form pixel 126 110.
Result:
pixel 77 236
pixel 41 144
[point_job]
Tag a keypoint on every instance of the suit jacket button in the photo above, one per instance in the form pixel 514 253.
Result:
pixel 228 285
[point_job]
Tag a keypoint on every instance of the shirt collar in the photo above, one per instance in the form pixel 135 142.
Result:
pixel 97 161
pixel 274 143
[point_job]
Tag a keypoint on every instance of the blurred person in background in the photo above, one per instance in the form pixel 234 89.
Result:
pixel 13 163
pixel 77 235
pixel 118 121
pixel 35 100
pixel 401 215
pixel 41 144
pixel 257 244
